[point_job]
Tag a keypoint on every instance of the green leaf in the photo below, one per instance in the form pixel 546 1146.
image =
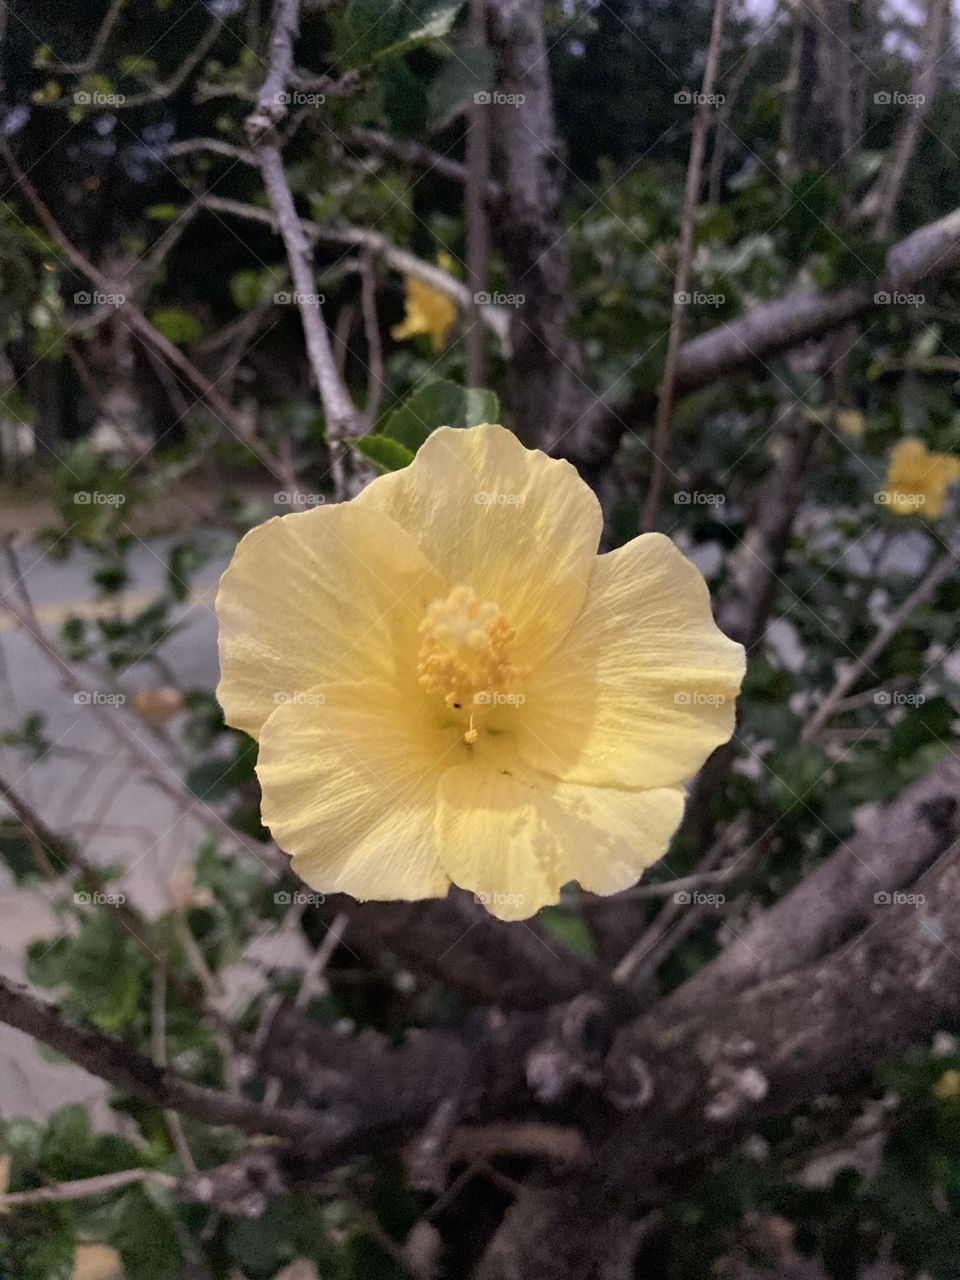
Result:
pixel 569 928
pixel 66 1141
pixel 441 404
pixel 378 28
pixel 138 1226
pixel 246 289
pixel 163 212
pixel 385 454
pixel 177 325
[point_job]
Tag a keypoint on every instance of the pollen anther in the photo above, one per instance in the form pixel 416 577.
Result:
pixel 464 654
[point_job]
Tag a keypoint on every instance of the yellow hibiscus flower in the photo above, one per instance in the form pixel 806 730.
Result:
pixel 917 480
pixel 428 311
pixel 449 685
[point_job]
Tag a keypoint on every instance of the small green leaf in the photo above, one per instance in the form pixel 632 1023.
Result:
pixel 163 212
pixel 177 325
pixel 385 454
pixel 441 404
pixel 378 28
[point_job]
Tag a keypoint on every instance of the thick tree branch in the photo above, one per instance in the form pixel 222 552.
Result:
pixel 123 1067
pixel 544 386
pixel 769 329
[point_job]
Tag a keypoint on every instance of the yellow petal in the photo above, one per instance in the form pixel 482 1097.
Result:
pixel 330 594
pixel 644 686
pixel 349 777
pixel 514 837
pixel 519 528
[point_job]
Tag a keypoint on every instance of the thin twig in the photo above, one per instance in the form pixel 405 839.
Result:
pixel 371 329
pixel 84 1188
pixel 475 200
pixel 341 418
pixel 698 143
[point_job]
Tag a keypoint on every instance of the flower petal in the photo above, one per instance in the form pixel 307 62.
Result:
pixel 334 593
pixel 644 686
pixel 514 837
pixel 349 778
pixel 518 527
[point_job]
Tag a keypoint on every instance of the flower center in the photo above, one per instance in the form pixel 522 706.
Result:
pixel 465 655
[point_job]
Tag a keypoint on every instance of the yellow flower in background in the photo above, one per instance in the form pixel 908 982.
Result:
pixel 917 480
pixel 947 1088
pixel 449 685
pixel 428 310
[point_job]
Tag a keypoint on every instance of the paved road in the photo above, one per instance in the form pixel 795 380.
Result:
pixel 84 781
